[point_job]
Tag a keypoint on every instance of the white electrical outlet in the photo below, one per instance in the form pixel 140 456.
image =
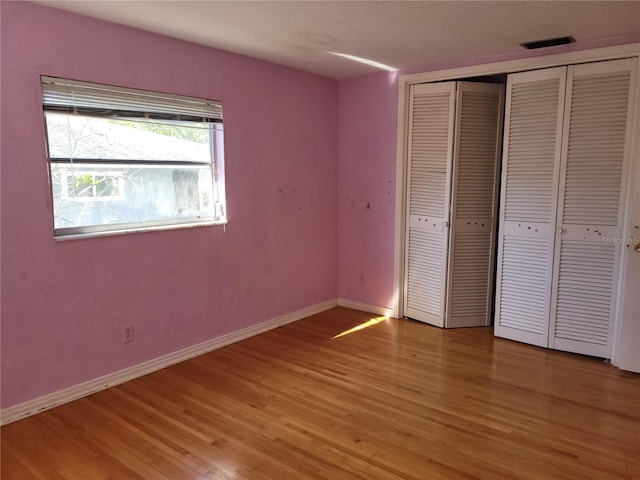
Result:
pixel 127 333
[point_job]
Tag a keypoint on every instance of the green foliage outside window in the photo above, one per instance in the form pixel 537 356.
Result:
pixel 186 132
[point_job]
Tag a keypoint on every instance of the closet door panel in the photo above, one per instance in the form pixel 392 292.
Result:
pixel 531 159
pixel 474 204
pixel 431 120
pixel 590 207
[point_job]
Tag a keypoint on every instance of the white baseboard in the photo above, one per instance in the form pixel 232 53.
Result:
pixel 46 402
pixel 364 307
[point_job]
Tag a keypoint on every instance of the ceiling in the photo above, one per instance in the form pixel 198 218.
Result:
pixel 401 34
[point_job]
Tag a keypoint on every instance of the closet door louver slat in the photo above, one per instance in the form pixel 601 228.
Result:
pixel 424 271
pixel 523 286
pixel 474 185
pixel 589 210
pixel 470 280
pixel 429 172
pixel 532 145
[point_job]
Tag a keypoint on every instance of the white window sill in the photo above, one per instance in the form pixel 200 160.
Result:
pixel 141 229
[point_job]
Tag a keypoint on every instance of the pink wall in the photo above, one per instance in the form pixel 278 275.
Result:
pixel 367 143
pixel 367 122
pixel 64 303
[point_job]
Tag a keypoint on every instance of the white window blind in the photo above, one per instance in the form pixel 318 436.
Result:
pixel 106 100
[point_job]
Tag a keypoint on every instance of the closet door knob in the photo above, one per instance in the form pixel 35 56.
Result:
pixel 558 230
pixel 445 224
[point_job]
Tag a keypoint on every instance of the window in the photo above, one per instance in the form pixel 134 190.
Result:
pixel 123 160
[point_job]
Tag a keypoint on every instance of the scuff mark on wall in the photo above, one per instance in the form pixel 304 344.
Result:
pixel 291 195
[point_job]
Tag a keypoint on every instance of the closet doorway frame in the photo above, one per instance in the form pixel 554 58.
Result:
pixel 506 67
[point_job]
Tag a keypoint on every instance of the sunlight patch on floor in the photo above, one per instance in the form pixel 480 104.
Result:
pixel 362 326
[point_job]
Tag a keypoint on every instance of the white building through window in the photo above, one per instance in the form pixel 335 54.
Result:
pixel 89 185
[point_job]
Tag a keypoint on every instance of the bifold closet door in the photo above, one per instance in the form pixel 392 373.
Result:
pixel 563 208
pixel 474 204
pixel 451 178
pixel 530 171
pixel 430 144
pixel 590 206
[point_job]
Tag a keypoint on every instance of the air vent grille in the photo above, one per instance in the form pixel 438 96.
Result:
pixel 549 42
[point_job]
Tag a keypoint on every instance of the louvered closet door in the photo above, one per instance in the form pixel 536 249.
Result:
pixel 531 159
pixel 590 207
pixel 429 170
pixel 474 201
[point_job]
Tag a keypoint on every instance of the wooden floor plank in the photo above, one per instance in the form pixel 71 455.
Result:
pixel 396 400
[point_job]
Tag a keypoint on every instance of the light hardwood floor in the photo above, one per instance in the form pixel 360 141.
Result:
pixel 396 400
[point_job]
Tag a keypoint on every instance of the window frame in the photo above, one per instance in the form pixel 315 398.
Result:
pixel 71 97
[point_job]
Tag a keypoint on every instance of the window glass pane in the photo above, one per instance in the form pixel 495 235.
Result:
pixel 116 168
pixel 84 137
pixel 110 194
